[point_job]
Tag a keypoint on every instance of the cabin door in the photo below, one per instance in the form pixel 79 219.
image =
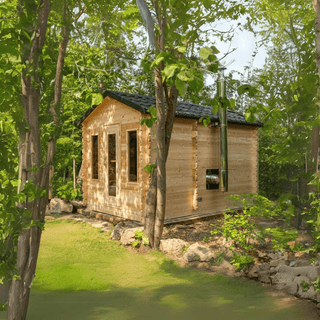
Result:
pixel 112 165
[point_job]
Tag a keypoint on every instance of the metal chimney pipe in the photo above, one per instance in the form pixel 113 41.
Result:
pixel 221 93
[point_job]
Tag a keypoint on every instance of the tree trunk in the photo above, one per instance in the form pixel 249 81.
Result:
pixel 156 196
pixel 29 239
pixel 151 201
pixel 161 161
pixel 51 171
pixel 74 173
pixel 151 204
pixel 315 131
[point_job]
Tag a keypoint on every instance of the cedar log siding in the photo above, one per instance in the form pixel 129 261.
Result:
pixel 109 113
pixel 193 149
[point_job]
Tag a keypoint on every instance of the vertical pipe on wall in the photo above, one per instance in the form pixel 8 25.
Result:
pixel 221 93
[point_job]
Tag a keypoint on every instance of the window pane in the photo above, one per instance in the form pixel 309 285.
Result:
pixel 133 156
pixel 112 165
pixel 95 154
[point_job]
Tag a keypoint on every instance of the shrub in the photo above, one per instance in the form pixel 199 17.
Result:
pixel 141 238
pixel 241 261
pixel 66 191
pixel 280 237
pixel 237 227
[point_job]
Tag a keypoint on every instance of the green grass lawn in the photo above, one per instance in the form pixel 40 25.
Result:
pixel 82 274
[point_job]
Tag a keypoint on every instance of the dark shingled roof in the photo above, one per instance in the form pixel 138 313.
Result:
pixel 183 110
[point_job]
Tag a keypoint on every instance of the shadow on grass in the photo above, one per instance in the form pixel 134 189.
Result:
pixel 124 285
pixel 220 297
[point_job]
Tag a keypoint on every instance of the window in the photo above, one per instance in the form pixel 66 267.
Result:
pixel 95 154
pixel 133 155
pixel 212 179
pixel 112 165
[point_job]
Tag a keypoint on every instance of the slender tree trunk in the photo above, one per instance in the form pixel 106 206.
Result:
pixel 156 196
pixel 151 201
pixel 315 131
pixel 29 239
pixel 151 204
pixel 74 174
pixel 161 161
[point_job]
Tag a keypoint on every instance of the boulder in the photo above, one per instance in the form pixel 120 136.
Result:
pixel 300 263
pixel 225 268
pixel 119 229
pixel 264 276
pixel 278 262
pixel 264 266
pixel 86 212
pixel 78 204
pixel 80 211
pixel 285 276
pixel 60 206
pixel 310 294
pixel 128 235
pixel 172 245
pixel 198 252
pixel 254 271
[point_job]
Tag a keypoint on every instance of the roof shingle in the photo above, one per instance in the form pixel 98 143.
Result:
pixel 183 110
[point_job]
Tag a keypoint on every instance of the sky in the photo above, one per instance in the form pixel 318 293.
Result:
pixel 245 42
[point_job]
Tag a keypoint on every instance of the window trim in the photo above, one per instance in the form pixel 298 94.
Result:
pixel 128 156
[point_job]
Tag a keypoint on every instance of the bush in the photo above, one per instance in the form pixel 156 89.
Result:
pixel 260 206
pixel 66 191
pixel 238 228
pixel 281 237
pixel 241 261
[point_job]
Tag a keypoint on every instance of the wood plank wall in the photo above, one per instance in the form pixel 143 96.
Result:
pixel 193 150
pixel 111 112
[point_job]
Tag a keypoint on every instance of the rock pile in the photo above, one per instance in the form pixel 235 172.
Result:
pixel 63 206
pixel 279 269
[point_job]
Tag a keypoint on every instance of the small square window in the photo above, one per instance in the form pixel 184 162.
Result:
pixel 212 179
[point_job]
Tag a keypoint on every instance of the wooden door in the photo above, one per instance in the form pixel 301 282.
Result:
pixel 112 165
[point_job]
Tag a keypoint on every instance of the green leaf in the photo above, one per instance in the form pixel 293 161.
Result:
pixel 206 121
pixel 169 71
pixel 149 168
pixel 250 117
pixel 182 49
pixel 146 65
pixel 160 57
pixel 205 52
pixel 97 98
pixel 185 76
pixel 295 97
pixel 153 111
pixel 181 87
pixel 207 4
pixel 232 103
pixel 213 67
pixel 215 109
pixel 214 50
pixel 147 121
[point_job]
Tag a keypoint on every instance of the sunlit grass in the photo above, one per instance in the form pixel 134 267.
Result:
pixel 82 274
